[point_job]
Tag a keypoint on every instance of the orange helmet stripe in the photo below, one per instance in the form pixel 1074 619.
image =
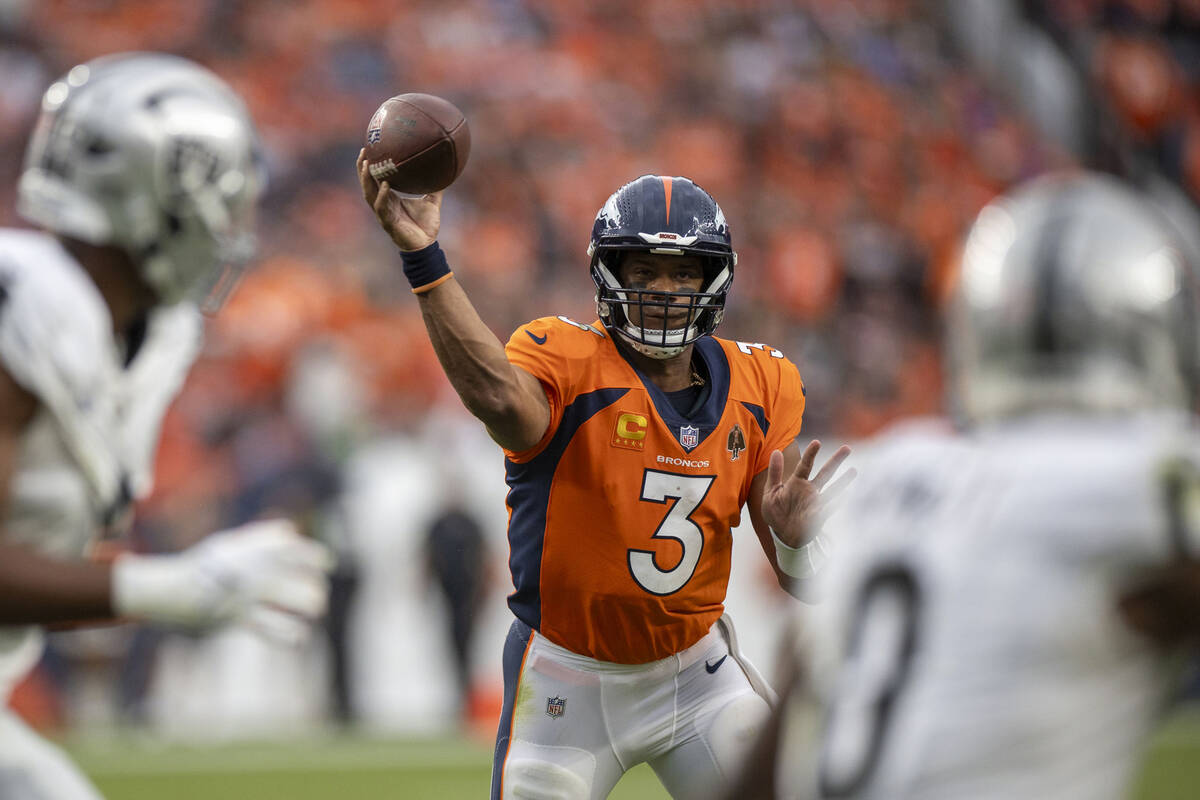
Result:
pixel 667 191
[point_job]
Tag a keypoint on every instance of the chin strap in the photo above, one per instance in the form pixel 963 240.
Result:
pixel 631 333
pixel 652 351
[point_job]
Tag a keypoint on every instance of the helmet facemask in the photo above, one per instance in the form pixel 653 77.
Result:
pixel 667 216
pixel 685 316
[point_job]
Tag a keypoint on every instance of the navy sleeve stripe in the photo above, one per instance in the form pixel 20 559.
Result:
pixel 528 498
pixel 759 414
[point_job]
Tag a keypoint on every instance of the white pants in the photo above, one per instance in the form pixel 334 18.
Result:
pixel 571 725
pixel 33 769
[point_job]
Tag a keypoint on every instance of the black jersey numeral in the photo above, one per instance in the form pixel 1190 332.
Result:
pixel 883 637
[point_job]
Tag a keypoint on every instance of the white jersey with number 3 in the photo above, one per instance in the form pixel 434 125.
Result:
pixel 968 644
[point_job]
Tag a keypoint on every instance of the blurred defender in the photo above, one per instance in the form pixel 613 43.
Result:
pixel 143 171
pixel 1003 615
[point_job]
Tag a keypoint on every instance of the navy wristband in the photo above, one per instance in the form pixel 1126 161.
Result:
pixel 425 268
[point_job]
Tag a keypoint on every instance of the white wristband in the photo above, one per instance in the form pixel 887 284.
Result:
pixel 800 562
pixel 164 588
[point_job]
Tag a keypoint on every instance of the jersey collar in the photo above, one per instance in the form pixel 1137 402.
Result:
pixel 708 416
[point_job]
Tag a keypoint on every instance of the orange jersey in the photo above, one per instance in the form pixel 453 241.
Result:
pixel 620 518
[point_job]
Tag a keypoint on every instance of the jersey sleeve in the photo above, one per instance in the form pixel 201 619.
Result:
pixel 51 338
pixel 786 411
pixel 56 341
pixel 536 347
pixel 173 340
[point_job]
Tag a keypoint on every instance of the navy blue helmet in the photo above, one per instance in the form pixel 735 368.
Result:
pixel 667 216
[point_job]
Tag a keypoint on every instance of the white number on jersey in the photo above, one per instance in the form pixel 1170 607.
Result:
pixel 688 491
pixel 580 325
pixel 746 347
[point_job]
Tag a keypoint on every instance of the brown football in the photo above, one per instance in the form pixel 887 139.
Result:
pixel 418 143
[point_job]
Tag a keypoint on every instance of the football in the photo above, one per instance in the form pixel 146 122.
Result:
pixel 418 143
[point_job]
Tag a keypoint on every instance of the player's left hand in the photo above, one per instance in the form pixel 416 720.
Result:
pixel 792 506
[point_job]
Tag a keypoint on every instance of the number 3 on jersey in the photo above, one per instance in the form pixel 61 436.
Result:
pixel 688 491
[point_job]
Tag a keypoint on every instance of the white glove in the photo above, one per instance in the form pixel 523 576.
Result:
pixel 264 574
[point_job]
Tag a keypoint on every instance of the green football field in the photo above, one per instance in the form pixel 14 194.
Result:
pixel 339 767
pixel 352 767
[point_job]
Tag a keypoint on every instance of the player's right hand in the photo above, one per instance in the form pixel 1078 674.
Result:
pixel 1164 605
pixel 412 222
pixel 793 506
pixel 264 574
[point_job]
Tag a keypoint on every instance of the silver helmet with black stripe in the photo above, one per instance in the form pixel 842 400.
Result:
pixel 1074 294
pixel 156 155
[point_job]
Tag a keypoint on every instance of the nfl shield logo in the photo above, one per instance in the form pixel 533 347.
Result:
pixel 689 436
pixel 555 706
pixel 375 127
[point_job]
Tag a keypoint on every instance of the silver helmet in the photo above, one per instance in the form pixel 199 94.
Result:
pixel 1073 295
pixel 156 155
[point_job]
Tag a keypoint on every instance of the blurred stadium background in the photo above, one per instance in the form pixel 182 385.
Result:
pixel 849 142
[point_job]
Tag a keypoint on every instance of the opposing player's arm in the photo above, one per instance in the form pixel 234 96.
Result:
pixel 785 501
pixel 1164 604
pixel 506 398
pixel 264 574
pixel 767 760
pixel 36 589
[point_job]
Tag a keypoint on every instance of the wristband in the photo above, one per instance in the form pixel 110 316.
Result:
pixel 800 562
pixel 425 268
pixel 159 588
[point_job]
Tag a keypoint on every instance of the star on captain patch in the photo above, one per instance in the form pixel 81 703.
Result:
pixel 555 706
pixel 736 442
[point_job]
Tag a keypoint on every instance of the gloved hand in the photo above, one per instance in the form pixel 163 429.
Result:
pixel 264 574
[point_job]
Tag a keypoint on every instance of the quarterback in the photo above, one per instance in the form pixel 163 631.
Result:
pixel 142 173
pixel 1005 612
pixel 632 443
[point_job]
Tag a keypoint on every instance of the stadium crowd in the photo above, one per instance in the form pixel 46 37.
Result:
pixel 846 140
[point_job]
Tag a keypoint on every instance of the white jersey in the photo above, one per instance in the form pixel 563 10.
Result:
pixel 967 643
pixel 90 447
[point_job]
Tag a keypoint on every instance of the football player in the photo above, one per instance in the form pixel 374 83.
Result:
pixel 1004 613
pixel 142 171
pixel 632 442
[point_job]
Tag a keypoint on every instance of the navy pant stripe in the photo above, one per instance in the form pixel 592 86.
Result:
pixel 514 657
